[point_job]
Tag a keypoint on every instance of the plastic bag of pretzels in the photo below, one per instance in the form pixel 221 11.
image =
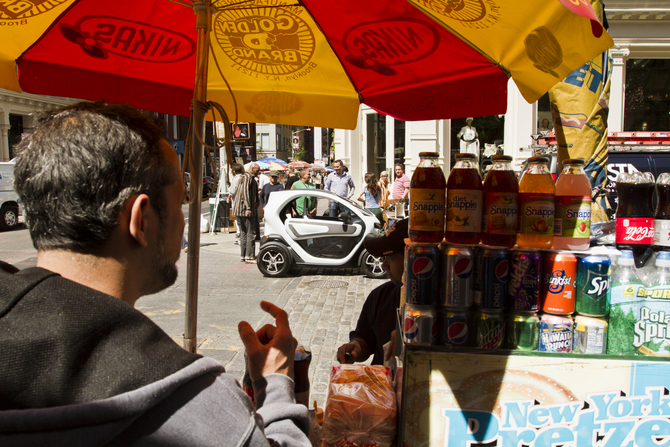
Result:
pixel 361 407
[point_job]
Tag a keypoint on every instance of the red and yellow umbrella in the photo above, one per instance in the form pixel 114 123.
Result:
pixel 307 62
pixel 303 63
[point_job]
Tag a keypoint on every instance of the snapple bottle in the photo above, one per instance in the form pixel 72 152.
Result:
pixel 426 200
pixel 465 201
pixel 572 223
pixel 501 206
pixel 536 205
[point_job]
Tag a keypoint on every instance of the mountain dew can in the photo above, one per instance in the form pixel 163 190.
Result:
pixel 490 329
pixel 523 331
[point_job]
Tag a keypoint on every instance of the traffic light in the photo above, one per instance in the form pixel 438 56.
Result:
pixel 241 132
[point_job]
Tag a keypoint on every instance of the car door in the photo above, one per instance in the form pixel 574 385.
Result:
pixel 320 236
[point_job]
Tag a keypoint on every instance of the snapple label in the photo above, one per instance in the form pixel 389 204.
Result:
pixel 464 210
pixel 501 213
pixel 536 214
pixel 426 210
pixel 573 216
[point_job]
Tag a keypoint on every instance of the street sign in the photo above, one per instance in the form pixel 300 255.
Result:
pixel 241 131
pixel 296 143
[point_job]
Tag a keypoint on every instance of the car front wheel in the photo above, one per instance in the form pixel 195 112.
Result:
pixel 274 260
pixel 9 217
pixel 372 266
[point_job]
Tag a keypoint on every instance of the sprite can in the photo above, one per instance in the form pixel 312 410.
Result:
pixel 523 329
pixel 593 286
pixel 490 329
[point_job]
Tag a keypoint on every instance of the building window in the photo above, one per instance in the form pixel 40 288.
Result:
pixel 647 100
pixel 399 142
pixel 262 142
pixel 376 150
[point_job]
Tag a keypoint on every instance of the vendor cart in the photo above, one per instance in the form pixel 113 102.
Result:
pixel 462 397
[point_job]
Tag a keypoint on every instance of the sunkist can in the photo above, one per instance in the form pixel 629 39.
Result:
pixel 420 325
pixel 593 286
pixel 457 275
pixel 490 329
pixel 558 288
pixel 522 331
pixel 590 335
pixel 525 281
pixel 422 274
pixel 494 267
pixel 455 327
pixel 555 333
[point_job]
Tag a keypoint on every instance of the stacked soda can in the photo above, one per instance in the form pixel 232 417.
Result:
pixel 592 304
pixel 524 290
pixel 422 284
pixel 492 274
pixel 559 280
pixel 497 298
pixel 456 295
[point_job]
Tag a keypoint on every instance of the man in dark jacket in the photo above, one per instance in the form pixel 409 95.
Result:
pixel 102 193
pixel 377 320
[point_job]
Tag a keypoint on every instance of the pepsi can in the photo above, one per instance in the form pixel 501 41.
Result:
pixel 457 274
pixel 494 276
pixel 490 329
pixel 477 272
pixel 455 325
pixel 420 325
pixel 525 281
pixel 422 276
pixel 556 333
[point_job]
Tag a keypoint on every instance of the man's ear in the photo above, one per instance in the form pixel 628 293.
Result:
pixel 137 224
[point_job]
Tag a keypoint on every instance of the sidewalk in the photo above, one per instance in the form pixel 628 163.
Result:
pixel 323 306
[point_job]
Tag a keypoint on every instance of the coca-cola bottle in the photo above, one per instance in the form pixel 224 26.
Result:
pixel 635 215
pixel 662 216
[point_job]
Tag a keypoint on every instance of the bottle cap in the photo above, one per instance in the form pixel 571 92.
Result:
pixel 538 160
pixel 573 161
pixel 465 156
pixel 429 155
pixel 626 257
pixel 663 259
pixel 502 158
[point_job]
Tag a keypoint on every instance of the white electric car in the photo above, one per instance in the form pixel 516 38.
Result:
pixel 329 232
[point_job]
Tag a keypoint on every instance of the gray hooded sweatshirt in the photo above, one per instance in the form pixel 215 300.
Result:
pixel 81 368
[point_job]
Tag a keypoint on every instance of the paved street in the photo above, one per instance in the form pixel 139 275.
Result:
pixel 323 306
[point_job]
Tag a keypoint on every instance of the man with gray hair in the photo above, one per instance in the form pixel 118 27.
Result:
pixel 102 192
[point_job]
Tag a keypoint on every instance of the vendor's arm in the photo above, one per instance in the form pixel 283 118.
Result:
pixel 356 350
pixel 391 348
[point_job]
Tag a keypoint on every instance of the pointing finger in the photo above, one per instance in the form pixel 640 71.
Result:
pixel 279 315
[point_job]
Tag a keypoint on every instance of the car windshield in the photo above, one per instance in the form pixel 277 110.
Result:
pixel 357 205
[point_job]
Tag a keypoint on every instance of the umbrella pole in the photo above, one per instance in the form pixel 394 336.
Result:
pixel 199 98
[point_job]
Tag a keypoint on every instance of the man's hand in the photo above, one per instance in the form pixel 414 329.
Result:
pixel 271 349
pixel 349 352
pixel 248 213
